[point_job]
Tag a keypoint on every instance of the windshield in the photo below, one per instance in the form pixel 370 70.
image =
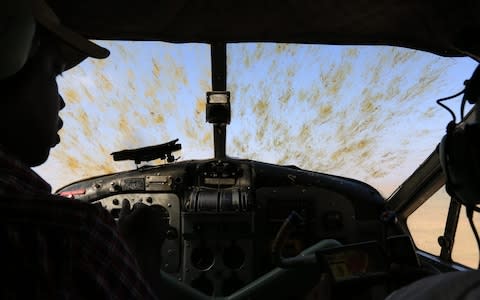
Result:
pixel 364 112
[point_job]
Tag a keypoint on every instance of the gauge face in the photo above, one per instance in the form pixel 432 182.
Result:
pixel 202 258
pixel 355 260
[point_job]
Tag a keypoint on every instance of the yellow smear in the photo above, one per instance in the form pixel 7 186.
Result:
pixel 88 94
pixel 285 97
pixel 401 57
pixel 179 76
pixel 352 52
pixel 325 111
pixel 246 61
pixel 155 68
pixel 105 82
pixel 130 75
pixel 200 106
pixel 259 51
pixel 261 108
pixel 123 125
pixel 151 91
pixel 72 163
pixel 430 113
pixel 368 106
pixel 190 130
pixel 207 138
pixel 279 48
pixel 362 144
pixel 304 133
pixel 140 119
pixel 99 63
pixel 71 96
pixel 338 78
pixel 82 117
pixel 239 144
pixel 158 119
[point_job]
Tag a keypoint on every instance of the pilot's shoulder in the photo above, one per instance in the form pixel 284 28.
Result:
pixel 452 285
pixel 51 209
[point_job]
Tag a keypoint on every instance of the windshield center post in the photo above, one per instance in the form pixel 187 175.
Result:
pixel 218 101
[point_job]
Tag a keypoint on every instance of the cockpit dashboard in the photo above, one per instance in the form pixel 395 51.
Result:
pixel 223 215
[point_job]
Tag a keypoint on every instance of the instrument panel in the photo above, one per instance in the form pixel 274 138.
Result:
pixel 224 215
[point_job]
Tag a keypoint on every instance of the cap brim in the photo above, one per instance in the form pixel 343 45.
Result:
pixel 46 17
pixel 77 41
pixel 76 48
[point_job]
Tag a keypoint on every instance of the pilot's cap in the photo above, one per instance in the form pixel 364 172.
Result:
pixel 45 17
pixel 19 19
pixel 17 29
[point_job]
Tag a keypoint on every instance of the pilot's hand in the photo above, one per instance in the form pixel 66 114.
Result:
pixel 144 229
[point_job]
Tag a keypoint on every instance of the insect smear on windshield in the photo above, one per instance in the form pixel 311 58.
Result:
pixel 105 83
pixel 71 96
pixel 325 111
pixel 155 68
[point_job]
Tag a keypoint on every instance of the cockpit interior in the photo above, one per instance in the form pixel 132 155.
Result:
pixel 246 229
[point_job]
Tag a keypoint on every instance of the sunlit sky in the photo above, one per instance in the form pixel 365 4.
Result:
pixel 364 112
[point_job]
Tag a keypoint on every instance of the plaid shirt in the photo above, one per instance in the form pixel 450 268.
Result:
pixel 57 248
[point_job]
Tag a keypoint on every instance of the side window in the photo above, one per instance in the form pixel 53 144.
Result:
pixel 465 250
pixel 427 223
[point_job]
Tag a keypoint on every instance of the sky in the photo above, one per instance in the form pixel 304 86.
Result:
pixel 366 112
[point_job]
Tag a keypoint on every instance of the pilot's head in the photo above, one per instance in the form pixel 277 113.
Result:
pixel 29 98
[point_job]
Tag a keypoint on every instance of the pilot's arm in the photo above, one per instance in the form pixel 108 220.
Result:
pixel 109 262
